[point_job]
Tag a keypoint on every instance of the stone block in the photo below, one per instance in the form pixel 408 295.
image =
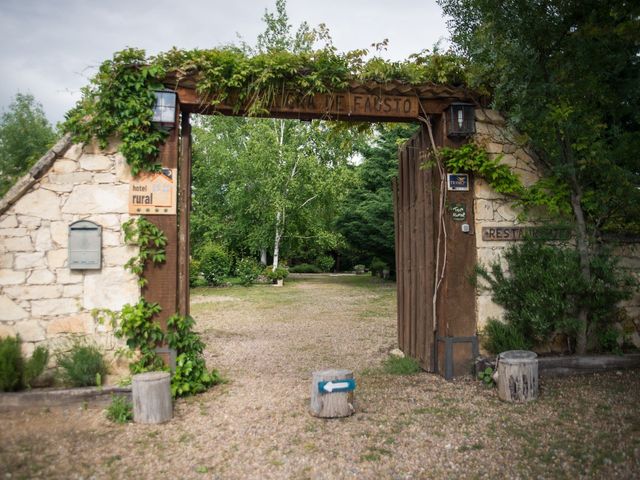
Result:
pixel 74 178
pixel 17 244
pixel 13 232
pixel 93 147
pixel 483 190
pixel 60 233
pixel 9 310
pixel 7 330
pixel 483 210
pixel 509 160
pixel 41 277
pixel 123 170
pixel 79 323
pixel 27 349
pixel 493 148
pixel 54 306
pixel 111 238
pixel 64 276
pixel 33 292
pixel 9 221
pixel 74 152
pixel 11 277
pixel 58 187
pixel 506 212
pixel 104 178
pixel 64 166
pixel 118 256
pixel 110 288
pixel 95 163
pixel 91 199
pixel 40 203
pixel 487 309
pixel 527 178
pixel 57 258
pixel 6 260
pixel 43 239
pixel 509 148
pixel 29 221
pixel 23 261
pixel 73 290
pixel 30 331
pixel 107 220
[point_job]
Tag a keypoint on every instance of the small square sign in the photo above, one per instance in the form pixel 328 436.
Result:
pixel 458 182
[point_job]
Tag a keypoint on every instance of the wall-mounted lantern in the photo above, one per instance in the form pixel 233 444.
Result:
pixel 461 120
pixel 164 110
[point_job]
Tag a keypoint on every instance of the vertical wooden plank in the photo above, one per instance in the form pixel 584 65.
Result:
pixel 184 210
pixel 163 285
pixel 398 230
pixel 406 247
pixel 429 254
pixel 412 160
pixel 400 274
pixel 420 257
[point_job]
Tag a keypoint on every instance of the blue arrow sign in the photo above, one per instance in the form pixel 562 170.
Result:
pixel 335 386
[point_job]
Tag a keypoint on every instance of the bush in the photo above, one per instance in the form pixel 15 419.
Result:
pixel 501 337
pixel 280 273
pixel 35 365
pixel 11 364
pixel 401 366
pixel 83 365
pixel 215 263
pixel 359 269
pixel 304 268
pixel 325 263
pixel 377 266
pixel 120 410
pixel 248 270
pixel 196 279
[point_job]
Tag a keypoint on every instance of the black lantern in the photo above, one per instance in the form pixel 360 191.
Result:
pixel 461 120
pixel 164 110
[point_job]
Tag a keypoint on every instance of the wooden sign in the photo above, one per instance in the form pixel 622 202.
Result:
pixel 458 212
pixel 154 193
pixel 511 234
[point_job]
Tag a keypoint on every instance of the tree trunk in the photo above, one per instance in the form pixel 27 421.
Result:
pixel 277 239
pixel 151 394
pixel 582 244
pixel 263 256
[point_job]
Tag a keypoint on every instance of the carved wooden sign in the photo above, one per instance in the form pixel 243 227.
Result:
pixel 511 234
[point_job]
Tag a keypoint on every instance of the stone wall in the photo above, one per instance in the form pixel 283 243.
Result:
pixel 493 209
pixel 41 299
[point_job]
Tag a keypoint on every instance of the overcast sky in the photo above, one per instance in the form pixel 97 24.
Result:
pixel 52 47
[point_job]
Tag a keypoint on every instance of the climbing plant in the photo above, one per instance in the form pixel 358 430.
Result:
pixel 151 242
pixel 119 99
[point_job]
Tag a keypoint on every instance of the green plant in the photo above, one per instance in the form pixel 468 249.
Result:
pixel 120 410
pixel 215 263
pixel 279 273
pixel 196 279
pixel 486 377
pixel 401 366
pixel 151 242
pixel 325 262
pixel 501 337
pixel 11 364
pixel 80 364
pixel 35 365
pixel 304 268
pixel 378 266
pixel 359 269
pixel 248 270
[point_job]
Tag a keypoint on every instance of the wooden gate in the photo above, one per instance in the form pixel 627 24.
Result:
pixel 414 196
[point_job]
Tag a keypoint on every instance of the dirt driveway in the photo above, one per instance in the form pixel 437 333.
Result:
pixel 267 341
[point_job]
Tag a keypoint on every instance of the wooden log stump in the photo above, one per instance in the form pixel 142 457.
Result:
pixel 517 376
pixel 332 394
pixel 151 394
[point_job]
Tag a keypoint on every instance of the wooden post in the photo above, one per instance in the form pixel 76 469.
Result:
pixel 517 376
pixel 331 404
pixel 184 210
pixel 151 394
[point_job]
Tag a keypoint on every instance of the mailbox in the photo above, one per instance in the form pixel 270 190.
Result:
pixel 85 245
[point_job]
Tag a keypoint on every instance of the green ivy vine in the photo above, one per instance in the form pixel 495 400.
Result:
pixel 151 242
pixel 547 192
pixel 119 99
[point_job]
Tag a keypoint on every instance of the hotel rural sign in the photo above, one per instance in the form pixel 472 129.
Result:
pixel 154 193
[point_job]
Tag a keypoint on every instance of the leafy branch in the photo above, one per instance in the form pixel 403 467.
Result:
pixel 151 242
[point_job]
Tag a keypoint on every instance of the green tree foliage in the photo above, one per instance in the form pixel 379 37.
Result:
pixel 567 74
pixel 25 135
pixel 366 215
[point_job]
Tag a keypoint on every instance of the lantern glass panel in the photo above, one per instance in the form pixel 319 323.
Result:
pixel 164 110
pixel 462 120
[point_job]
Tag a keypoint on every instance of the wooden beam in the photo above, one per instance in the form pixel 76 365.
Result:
pixel 184 209
pixel 344 106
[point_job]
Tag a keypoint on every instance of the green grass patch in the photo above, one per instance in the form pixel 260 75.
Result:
pixel 401 366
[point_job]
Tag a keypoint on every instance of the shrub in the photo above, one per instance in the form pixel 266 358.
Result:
pixel 248 270
pixel 215 263
pixel 377 266
pixel 120 410
pixel 11 364
pixel 82 365
pixel 35 365
pixel 304 268
pixel 280 273
pixel 501 337
pixel 359 269
pixel 401 366
pixel 325 263
pixel 196 279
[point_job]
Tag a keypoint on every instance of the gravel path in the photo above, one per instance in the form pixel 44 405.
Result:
pixel 267 341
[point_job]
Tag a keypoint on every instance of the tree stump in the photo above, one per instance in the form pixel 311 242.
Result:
pixel 332 401
pixel 151 394
pixel 517 376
